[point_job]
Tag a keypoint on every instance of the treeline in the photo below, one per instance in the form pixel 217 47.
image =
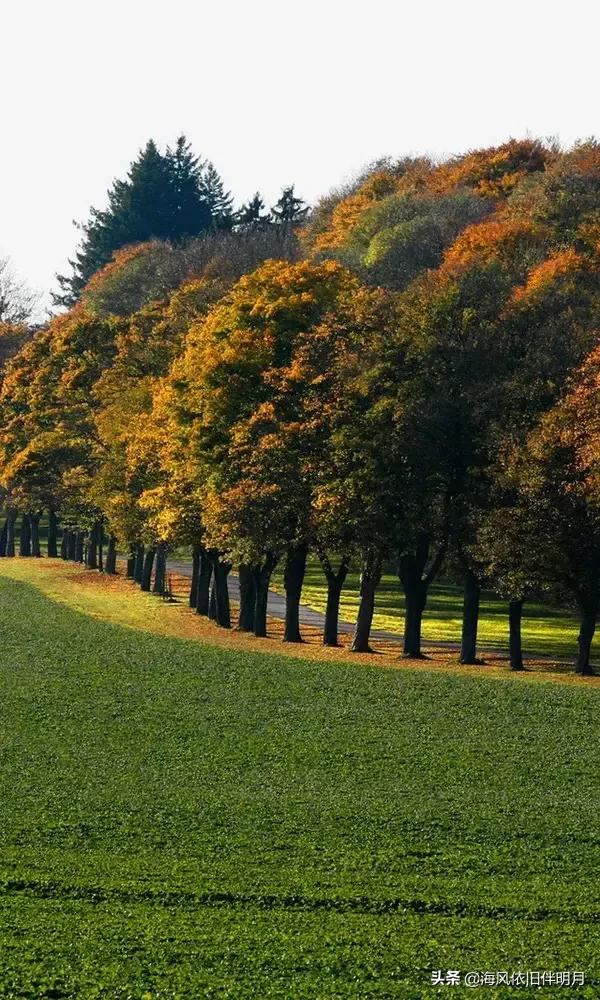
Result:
pixel 408 376
pixel 172 196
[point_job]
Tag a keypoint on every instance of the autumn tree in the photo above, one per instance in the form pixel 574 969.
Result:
pixel 346 461
pixel 230 386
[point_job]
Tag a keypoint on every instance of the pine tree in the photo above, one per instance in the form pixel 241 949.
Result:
pixel 289 210
pixel 163 197
pixel 192 210
pixel 217 198
pixel 252 214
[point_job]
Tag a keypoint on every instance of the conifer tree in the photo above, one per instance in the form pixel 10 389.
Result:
pixel 192 212
pixel 252 214
pixel 219 200
pixel 289 210
pixel 164 197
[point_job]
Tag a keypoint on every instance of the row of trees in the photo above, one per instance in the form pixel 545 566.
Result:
pixel 445 417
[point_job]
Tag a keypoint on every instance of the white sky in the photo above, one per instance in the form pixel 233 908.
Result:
pixel 272 92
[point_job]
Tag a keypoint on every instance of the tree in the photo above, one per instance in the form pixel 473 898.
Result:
pixel 252 214
pixel 552 481
pixel 289 211
pixel 234 407
pixel 17 301
pixel 192 210
pixel 219 200
pixel 346 461
pixel 162 198
pixel 566 451
pixel 514 553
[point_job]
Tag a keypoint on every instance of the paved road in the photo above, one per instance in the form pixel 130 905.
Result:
pixel 276 605
pixel 308 616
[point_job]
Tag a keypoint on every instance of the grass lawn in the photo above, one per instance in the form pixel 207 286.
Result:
pixel 547 630
pixel 181 819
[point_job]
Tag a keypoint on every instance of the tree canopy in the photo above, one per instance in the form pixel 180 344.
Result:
pixel 405 377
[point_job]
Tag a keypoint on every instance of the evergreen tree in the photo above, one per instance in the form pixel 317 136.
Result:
pixel 289 210
pixel 252 214
pixel 163 197
pixel 192 211
pixel 219 200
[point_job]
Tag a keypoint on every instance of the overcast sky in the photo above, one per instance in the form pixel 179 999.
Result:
pixel 272 92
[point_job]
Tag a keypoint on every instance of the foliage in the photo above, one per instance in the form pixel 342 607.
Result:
pixel 379 400
pixel 487 176
pixel 235 409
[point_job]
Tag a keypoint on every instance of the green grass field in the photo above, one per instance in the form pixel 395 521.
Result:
pixel 547 630
pixel 181 820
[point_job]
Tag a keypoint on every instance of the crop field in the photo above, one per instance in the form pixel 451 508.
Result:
pixel 180 819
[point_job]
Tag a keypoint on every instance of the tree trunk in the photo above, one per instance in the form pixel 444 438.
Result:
pixel 589 616
pixel 369 581
pixel 79 543
pixel 160 570
pixel 52 535
pixel 262 578
pixel 130 566
pixel 195 573
pixel 34 520
pixel 138 567
pixel 3 537
pixel 91 560
pixel 110 566
pixel 335 582
pixel 64 544
pixel 72 545
pixel 101 547
pixel 212 600
pixel 221 592
pixel 10 532
pixel 293 578
pixel 204 578
pixel 25 539
pixel 247 598
pixel 472 594
pixel 416 578
pixel 146 580
pixel 515 613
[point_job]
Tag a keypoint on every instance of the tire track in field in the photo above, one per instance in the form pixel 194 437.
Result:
pixel 51 889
